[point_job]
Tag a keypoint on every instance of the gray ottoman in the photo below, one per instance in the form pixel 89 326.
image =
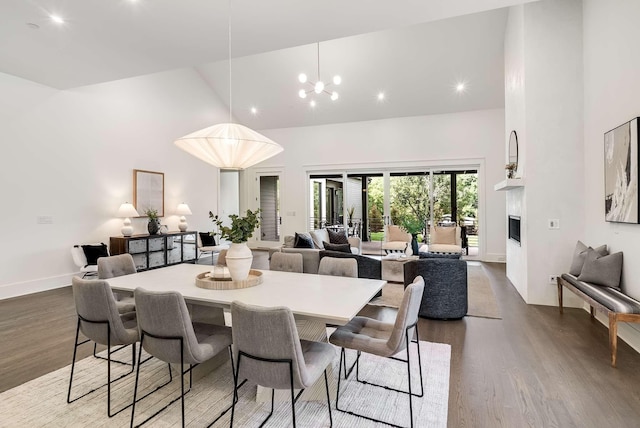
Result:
pixel 445 286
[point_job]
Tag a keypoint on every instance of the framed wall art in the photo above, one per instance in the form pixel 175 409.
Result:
pixel 621 173
pixel 148 191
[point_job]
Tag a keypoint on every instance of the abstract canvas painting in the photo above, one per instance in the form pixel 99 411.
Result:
pixel 621 173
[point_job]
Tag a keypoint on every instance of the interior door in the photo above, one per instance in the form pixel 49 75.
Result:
pixel 269 195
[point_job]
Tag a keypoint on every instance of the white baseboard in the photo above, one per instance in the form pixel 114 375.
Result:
pixel 34 286
pixel 495 258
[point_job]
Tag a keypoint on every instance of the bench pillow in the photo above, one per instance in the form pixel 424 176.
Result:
pixel 602 270
pixel 303 240
pixel 579 255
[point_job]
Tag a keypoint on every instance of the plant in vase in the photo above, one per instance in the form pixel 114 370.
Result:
pixel 413 226
pixel 239 256
pixel 511 169
pixel 154 222
pixel 350 212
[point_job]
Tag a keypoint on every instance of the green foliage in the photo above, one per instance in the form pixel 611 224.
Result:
pixel 241 229
pixel 151 213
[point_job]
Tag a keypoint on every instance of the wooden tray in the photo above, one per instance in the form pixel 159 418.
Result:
pixel 204 280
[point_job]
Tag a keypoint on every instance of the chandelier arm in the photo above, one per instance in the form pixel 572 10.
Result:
pixel 318 60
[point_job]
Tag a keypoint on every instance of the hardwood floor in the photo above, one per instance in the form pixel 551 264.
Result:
pixel 534 367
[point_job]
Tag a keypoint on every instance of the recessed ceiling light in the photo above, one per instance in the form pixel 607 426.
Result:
pixel 312 103
pixel 380 96
pixel 57 19
pixel 460 87
pixel 254 110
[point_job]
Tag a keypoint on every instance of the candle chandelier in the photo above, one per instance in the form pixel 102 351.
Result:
pixel 318 87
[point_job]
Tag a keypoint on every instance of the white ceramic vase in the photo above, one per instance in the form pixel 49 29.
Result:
pixel 239 259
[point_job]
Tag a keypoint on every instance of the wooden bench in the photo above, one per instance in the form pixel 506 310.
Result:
pixel 613 302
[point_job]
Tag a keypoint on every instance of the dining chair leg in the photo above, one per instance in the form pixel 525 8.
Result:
pixel 326 386
pixel 409 377
pixel 293 401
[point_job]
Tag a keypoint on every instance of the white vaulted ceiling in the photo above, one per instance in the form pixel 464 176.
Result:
pixel 413 50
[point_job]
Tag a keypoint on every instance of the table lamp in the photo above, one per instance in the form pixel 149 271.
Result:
pixel 127 210
pixel 182 211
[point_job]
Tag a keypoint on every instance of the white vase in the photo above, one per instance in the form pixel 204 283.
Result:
pixel 239 259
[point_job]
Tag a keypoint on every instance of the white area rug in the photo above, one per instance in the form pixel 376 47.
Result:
pixel 42 402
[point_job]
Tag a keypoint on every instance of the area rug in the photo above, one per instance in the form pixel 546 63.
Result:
pixel 42 401
pixel 481 300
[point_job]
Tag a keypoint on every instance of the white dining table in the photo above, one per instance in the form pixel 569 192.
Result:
pixel 326 299
pixel 315 300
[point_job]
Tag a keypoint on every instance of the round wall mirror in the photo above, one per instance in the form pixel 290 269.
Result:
pixel 513 149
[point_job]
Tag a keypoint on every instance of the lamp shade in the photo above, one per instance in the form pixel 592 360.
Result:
pixel 229 146
pixel 127 210
pixel 183 209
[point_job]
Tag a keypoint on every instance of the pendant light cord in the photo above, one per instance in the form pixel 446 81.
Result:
pixel 230 92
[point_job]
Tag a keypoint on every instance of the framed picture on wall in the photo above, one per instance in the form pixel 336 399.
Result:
pixel 621 173
pixel 148 191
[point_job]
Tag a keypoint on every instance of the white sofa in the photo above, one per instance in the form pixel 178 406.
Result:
pixel 311 256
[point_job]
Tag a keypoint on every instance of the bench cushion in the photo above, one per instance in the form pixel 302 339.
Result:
pixel 612 298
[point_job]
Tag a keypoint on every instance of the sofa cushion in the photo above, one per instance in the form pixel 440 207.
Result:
pixel 445 248
pixel 602 270
pixel 443 235
pixel 579 255
pixel 344 248
pixel 303 240
pixel 319 236
pixel 93 252
pixel 337 237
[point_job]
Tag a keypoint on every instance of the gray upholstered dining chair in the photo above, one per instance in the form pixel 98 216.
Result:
pixel 113 266
pixel 338 267
pixel 270 353
pixel 100 321
pixel 167 333
pixel 382 339
pixel 286 262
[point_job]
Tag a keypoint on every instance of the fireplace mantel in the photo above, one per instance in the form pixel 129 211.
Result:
pixel 508 184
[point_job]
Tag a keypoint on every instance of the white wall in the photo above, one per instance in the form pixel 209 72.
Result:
pixel 70 155
pixel 410 141
pixel 611 94
pixel 547 112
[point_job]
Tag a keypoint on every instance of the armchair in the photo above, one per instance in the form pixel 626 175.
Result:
pixel 396 240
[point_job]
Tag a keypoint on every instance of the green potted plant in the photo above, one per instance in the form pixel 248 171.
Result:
pixel 154 222
pixel 414 226
pixel 239 256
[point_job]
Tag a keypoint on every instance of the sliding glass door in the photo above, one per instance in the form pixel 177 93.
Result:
pixel 362 203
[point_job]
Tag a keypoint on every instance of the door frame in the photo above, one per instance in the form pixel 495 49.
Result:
pixel 256 200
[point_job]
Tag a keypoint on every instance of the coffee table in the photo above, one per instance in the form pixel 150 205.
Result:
pixel 393 268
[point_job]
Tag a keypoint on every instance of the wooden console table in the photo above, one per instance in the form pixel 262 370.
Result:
pixel 154 251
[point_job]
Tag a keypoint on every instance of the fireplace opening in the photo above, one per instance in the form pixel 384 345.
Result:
pixel 514 228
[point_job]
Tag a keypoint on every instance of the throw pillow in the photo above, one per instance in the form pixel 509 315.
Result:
pixel 337 237
pixel 343 248
pixel 443 235
pixel 289 241
pixel 579 255
pixel 396 233
pixel 303 240
pixel 93 252
pixel 602 270
pixel 319 236
pixel 207 240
